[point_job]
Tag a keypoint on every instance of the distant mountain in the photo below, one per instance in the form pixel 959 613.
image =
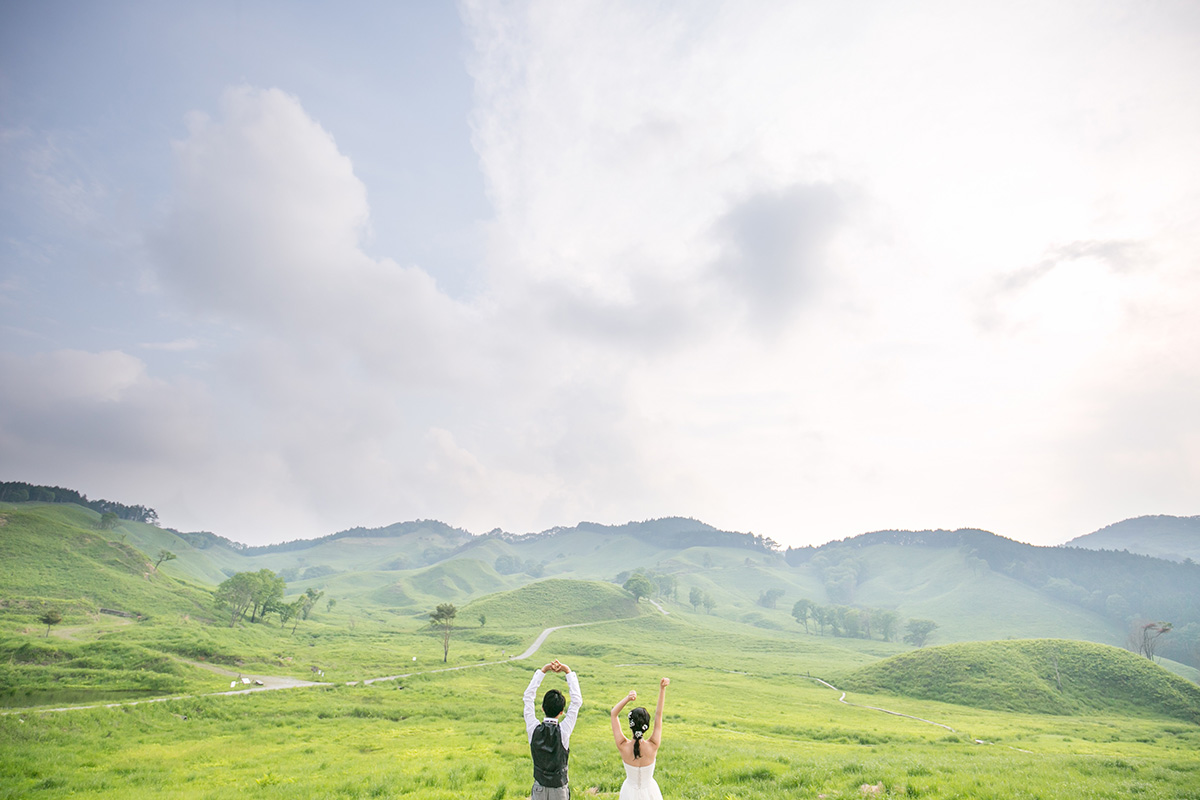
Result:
pixel 1172 538
pixel 973 584
pixel 1123 589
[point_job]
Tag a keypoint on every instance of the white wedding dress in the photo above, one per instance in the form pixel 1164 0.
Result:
pixel 640 784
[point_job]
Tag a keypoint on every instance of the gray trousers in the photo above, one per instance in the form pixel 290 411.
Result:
pixel 550 793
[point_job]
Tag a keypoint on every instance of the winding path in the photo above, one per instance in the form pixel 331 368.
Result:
pixel 268 683
pixel 844 701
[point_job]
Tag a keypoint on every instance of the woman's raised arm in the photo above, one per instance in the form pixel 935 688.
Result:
pixel 618 735
pixel 656 737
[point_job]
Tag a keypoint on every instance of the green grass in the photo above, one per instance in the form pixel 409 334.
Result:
pixel 1034 676
pixel 56 558
pixel 746 717
pixel 743 721
pixel 554 602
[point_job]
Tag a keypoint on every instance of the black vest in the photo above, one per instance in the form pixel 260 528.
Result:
pixel 549 755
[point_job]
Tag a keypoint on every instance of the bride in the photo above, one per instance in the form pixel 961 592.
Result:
pixel 638 753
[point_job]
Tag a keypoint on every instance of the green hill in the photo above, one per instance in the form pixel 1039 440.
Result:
pixel 1161 536
pixel 555 602
pixel 55 556
pixel 463 577
pixel 56 559
pixel 974 585
pixel 1037 676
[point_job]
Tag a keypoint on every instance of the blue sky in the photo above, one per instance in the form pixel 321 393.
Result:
pixel 806 270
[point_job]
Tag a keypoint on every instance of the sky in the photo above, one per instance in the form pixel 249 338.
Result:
pixel 805 270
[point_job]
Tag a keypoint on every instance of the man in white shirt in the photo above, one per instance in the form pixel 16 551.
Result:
pixel 550 739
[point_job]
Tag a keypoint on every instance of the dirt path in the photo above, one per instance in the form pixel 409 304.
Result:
pixel 244 683
pixel 267 683
pixel 844 701
pixel 252 683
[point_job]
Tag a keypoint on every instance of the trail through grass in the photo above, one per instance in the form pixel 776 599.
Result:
pixel 746 719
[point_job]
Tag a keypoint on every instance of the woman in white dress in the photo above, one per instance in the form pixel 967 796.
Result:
pixel 638 753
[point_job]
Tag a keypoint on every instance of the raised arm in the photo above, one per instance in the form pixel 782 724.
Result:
pixel 618 734
pixel 656 737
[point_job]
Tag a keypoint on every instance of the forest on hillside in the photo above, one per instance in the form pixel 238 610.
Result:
pixel 1134 591
pixel 19 492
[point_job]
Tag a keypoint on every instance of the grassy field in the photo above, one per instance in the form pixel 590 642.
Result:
pixel 745 719
pixel 751 713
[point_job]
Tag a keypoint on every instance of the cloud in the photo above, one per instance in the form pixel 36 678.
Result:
pixel 265 231
pixel 735 270
pixel 1121 256
pixel 176 346
pixel 671 185
pixel 775 247
pixel 86 414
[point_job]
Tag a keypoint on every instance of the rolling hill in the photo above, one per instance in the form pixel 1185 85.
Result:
pixel 1172 538
pixel 1037 676
pixel 973 584
pixel 56 556
pixel 555 602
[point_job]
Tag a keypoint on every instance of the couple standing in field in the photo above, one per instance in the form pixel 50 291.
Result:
pixel 550 739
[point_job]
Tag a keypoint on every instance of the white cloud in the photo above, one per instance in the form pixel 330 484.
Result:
pixel 803 269
pixel 71 415
pixel 641 160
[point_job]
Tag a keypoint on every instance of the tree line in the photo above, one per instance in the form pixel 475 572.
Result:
pixel 19 492
pixel 859 622
pixel 1139 593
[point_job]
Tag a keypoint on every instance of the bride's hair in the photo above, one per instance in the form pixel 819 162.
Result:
pixel 639 723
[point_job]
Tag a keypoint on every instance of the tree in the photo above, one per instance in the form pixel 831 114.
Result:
pixel 820 616
pixel 918 631
pixel 108 520
pixel 886 622
pixel 482 620
pixel 443 618
pixel 309 600
pixel 293 611
pixel 768 598
pixel 708 602
pixel 695 597
pixel 639 586
pixel 236 594
pixel 50 618
pixel 835 615
pixel 266 593
pixel 163 555
pixel 851 621
pixel 1148 635
pixel 800 612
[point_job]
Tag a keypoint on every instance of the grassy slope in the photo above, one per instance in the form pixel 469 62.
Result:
pixel 1026 676
pixel 935 583
pixel 742 721
pixel 554 602
pixel 914 581
pixel 55 556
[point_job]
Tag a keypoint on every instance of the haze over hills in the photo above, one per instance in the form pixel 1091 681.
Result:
pixel 1172 538
pixel 973 584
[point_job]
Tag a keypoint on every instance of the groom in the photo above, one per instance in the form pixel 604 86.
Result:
pixel 550 739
